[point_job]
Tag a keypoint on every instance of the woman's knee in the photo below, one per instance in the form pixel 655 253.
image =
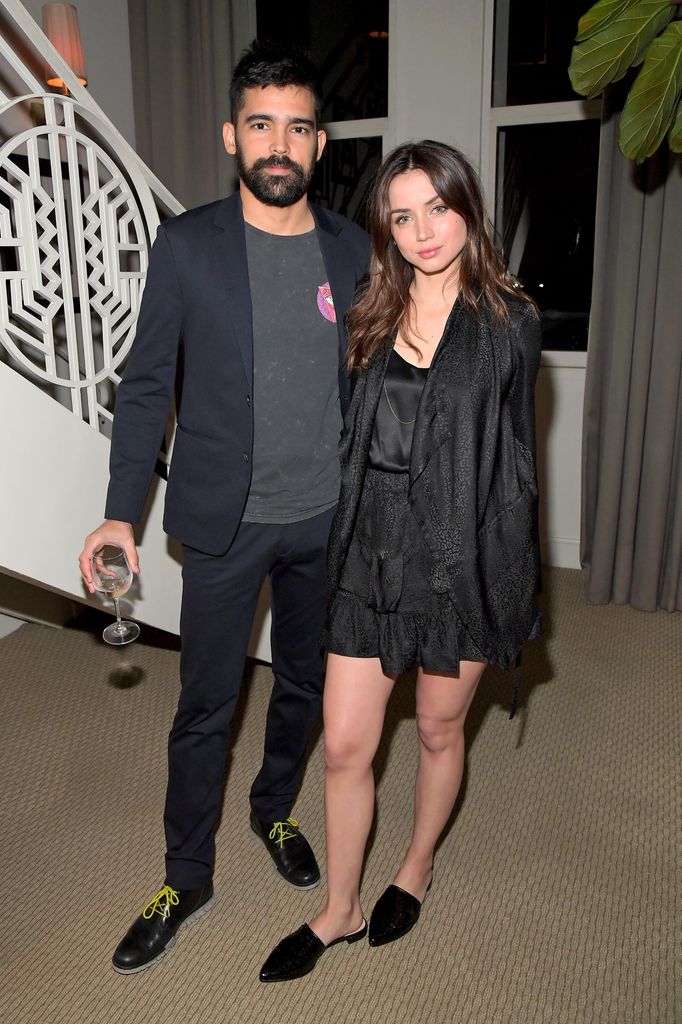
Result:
pixel 436 734
pixel 344 750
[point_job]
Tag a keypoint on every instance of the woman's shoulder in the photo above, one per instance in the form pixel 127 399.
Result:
pixel 516 311
pixel 520 310
pixel 525 334
pixel 522 324
pixel 519 330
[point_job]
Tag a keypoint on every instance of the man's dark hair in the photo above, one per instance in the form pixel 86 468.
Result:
pixel 267 62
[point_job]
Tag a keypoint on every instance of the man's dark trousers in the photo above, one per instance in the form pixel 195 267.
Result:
pixel 220 596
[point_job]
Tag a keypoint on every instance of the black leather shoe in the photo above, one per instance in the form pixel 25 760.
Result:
pixel 290 851
pixel 395 913
pixel 153 933
pixel 299 952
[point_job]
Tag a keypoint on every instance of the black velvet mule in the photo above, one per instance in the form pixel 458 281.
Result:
pixel 395 913
pixel 299 952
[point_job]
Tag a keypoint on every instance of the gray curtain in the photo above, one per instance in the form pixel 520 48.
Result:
pixel 182 57
pixel 631 532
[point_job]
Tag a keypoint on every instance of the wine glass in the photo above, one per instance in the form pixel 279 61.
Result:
pixel 112 575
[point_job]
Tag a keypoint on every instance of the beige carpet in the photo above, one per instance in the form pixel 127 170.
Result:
pixel 556 892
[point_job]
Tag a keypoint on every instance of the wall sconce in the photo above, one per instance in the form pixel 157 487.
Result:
pixel 60 25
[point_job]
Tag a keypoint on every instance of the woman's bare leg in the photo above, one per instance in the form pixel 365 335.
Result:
pixel 442 705
pixel 356 692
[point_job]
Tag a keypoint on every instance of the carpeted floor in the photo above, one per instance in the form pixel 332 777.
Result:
pixel 556 897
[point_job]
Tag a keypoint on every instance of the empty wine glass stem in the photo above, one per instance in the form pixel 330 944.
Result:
pixel 120 628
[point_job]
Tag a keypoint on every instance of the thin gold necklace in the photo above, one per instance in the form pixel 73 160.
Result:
pixel 405 423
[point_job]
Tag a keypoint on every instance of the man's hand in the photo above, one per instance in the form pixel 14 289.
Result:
pixel 112 531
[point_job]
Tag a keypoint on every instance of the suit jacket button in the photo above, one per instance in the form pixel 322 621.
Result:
pixel 248 399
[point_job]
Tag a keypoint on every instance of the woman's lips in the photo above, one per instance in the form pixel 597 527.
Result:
pixel 426 254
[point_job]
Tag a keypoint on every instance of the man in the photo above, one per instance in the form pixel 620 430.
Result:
pixel 252 289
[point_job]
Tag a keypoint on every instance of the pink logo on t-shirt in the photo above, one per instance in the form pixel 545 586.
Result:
pixel 325 302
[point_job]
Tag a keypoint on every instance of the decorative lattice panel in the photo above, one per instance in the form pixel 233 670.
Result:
pixel 78 214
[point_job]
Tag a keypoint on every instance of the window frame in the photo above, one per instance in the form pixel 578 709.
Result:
pixel 495 118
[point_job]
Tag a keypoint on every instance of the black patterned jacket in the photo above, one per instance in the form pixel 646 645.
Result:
pixel 473 487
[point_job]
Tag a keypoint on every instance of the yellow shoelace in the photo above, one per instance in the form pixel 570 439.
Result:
pixel 284 833
pixel 162 902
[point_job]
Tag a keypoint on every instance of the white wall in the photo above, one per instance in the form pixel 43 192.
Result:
pixel 54 481
pixel 559 402
pixel 106 44
pixel 435 69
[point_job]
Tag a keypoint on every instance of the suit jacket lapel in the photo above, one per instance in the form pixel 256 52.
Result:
pixel 433 424
pixel 338 265
pixel 232 265
pixel 374 379
pixel 341 277
pixel 354 457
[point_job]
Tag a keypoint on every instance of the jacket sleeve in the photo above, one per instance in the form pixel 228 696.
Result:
pixel 527 347
pixel 145 395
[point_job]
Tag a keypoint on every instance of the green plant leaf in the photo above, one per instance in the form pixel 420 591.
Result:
pixel 606 56
pixel 675 137
pixel 653 99
pixel 599 16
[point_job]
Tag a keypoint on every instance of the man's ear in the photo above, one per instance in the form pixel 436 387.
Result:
pixel 321 142
pixel 229 138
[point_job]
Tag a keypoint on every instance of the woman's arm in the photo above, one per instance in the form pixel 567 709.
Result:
pixel 526 351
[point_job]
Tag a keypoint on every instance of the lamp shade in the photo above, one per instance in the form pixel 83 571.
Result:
pixel 60 25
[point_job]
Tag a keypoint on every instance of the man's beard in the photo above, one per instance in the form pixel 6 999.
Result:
pixel 275 189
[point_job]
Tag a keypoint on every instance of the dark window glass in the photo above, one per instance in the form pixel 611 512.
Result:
pixel 533 42
pixel 547 175
pixel 348 45
pixel 344 174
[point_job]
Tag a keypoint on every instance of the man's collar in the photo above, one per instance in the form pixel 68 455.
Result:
pixel 323 221
pixel 230 215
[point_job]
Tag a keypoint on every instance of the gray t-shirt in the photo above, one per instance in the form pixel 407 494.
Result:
pixel 297 416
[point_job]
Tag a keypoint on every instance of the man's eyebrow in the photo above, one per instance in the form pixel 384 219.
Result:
pixel 406 209
pixel 291 120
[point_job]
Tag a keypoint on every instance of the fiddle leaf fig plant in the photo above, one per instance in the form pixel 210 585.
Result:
pixel 675 136
pixel 614 35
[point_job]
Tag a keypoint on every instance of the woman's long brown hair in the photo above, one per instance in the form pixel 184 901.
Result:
pixel 385 302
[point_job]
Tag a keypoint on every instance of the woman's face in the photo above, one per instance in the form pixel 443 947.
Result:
pixel 428 234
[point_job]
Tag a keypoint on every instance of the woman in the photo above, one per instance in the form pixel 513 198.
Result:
pixel 433 555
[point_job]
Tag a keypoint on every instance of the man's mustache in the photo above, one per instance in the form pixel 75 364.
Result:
pixel 278 161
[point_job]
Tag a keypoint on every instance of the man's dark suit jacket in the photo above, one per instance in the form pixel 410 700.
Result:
pixel 197 301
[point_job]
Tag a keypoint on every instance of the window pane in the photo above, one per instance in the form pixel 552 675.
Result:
pixel 350 48
pixel 533 42
pixel 546 197
pixel 344 174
